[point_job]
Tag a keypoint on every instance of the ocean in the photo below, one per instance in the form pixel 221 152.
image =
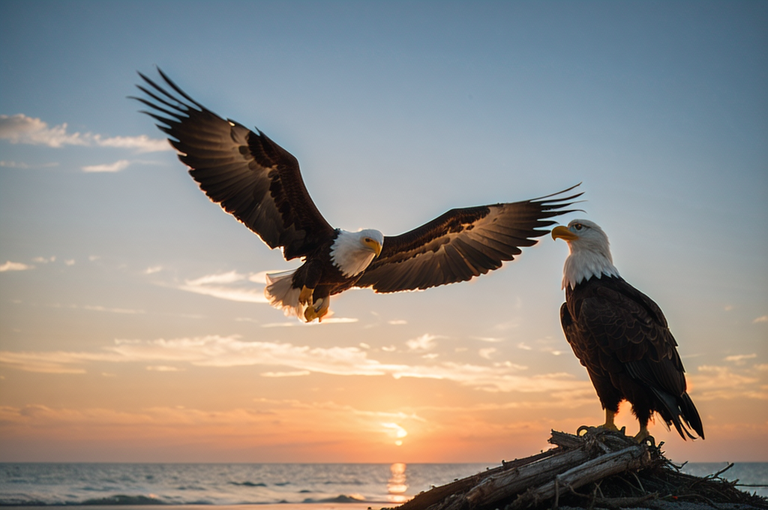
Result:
pixel 45 484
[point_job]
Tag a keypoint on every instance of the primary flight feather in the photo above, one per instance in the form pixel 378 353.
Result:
pixel 259 183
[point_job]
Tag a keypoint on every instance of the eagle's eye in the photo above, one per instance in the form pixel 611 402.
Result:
pixel 578 226
pixel 367 240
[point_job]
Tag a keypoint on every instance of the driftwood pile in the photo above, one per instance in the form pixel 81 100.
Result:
pixel 594 469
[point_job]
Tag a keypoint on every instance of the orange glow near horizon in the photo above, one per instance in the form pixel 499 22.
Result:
pixel 289 431
pixel 106 406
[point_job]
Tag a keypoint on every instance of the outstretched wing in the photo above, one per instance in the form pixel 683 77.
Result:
pixel 246 173
pixel 462 244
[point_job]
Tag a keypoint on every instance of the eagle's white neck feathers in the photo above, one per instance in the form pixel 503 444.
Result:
pixel 352 252
pixel 590 254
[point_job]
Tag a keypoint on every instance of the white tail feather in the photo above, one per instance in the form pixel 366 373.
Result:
pixel 281 294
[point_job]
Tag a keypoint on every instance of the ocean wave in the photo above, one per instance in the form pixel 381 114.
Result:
pixel 339 499
pixel 248 484
pixel 117 499
pixel 121 499
pixel 127 500
pixel 60 484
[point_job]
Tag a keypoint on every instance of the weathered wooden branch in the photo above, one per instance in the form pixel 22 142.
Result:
pixel 438 494
pixel 628 459
pixel 497 488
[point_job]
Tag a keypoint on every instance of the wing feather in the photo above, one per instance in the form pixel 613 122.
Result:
pixel 629 327
pixel 462 244
pixel 246 173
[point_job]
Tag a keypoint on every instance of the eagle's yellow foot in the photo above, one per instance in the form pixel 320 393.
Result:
pixel 642 435
pixel 309 314
pixel 317 311
pixel 305 296
pixel 323 309
pixel 609 422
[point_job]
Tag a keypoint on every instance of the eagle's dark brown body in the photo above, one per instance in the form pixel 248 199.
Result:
pixel 621 336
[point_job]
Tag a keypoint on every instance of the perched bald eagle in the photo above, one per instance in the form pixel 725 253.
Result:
pixel 259 183
pixel 621 336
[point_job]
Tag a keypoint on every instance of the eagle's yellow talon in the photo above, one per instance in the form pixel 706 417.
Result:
pixel 321 308
pixel 642 435
pixel 610 424
pixel 310 314
pixel 305 297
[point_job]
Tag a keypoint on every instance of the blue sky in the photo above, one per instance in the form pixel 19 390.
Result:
pixel 125 296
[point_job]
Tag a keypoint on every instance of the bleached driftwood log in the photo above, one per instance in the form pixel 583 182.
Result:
pixel 631 459
pixel 514 481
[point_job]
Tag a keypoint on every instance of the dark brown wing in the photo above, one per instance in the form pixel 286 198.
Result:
pixel 574 337
pixel 249 175
pixel 461 244
pixel 629 327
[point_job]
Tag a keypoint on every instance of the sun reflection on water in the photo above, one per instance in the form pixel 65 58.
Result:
pixel 397 484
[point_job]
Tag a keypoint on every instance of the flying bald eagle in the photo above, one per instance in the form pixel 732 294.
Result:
pixel 621 336
pixel 259 183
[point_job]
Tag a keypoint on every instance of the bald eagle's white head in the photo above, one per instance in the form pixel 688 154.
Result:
pixel 352 252
pixel 590 252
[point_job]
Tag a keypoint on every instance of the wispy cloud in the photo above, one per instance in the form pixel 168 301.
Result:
pixel 726 382
pixel 488 339
pixel 111 167
pixel 20 128
pixel 232 286
pixel 20 164
pixel 398 431
pixel 762 318
pixel 296 373
pixel 740 358
pixel 230 351
pixel 425 342
pixel 247 288
pixel 296 324
pixel 487 353
pixel 14 266
pixel 54 362
pixel 141 143
pixel 163 368
pixel 98 308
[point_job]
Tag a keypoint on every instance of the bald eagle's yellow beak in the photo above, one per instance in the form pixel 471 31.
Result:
pixel 563 233
pixel 373 245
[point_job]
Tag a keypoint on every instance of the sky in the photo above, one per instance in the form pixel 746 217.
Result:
pixel 133 326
